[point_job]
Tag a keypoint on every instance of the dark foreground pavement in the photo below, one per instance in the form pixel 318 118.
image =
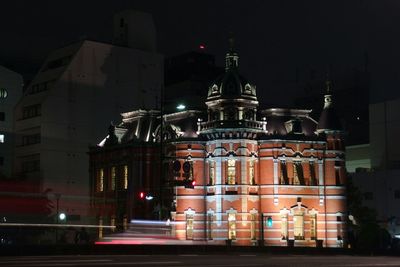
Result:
pixel 215 260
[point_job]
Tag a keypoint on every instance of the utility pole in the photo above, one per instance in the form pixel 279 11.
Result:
pixel 58 196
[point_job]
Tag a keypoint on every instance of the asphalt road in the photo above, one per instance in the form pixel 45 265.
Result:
pixel 234 260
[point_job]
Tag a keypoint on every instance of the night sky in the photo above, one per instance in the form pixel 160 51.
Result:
pixel 281 43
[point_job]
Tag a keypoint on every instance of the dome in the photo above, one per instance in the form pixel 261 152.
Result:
pixel 329 120
pixel 231 85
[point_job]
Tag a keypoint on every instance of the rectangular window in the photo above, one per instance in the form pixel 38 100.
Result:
pixel 313 177
pixel 100 180
pixel 313 226
pixel 189 226
pixel 30 139
pixel 57 63
pixel 1 138
pixel 209 225
pixel 30 163
pixel 251 173
pixel 31 111
pixel 112 178
pixel 231 171
pixel 368 196
pixel 298 229
pixel 284 177
pixel 2 116
pixel 298 173
pixel 212 173
pixel 125 180
pixel 231 226
pixel 284 227
pixel 253 218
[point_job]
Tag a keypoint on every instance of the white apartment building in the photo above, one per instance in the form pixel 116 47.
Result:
pixel 11 84
pixel 79 90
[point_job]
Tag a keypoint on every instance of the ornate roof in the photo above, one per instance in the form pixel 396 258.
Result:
pixel 328 119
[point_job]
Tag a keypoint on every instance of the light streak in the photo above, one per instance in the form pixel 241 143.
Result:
pixel 54 225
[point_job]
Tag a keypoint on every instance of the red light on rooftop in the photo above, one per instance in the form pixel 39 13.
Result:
pixel 141 195
pixel 202 46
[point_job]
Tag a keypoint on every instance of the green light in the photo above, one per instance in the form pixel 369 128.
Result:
pixel 269 222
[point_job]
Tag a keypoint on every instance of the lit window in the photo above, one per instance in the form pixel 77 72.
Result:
pixel 284 227
pixel 189 226
pixel 113 175
pixel 253 218
pixel 298 230
pixel 100 234
pixel 100 180
pixel 251 173
pixel 231 226
pixel 231 171
pixel 212 173
pixel 313 226
pixel 1 138
pixel 125 181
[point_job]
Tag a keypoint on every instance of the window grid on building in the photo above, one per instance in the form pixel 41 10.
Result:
pixel 231 171
pixel 189 226
pixel 100 180
pixel 251 173
pixel 113 178
pixel 298 228
pixel 231 226
pixel 125 177
pixel 313 226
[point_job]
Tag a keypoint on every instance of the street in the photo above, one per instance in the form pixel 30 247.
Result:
pixel 234 259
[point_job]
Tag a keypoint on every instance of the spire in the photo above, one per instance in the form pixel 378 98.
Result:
pixel 328 91
pixel 231 58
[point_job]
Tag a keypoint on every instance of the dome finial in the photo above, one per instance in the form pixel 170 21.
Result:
pixel 232 58
pixel 328 82
pixel 231 41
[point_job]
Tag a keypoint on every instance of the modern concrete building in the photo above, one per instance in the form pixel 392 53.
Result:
pixel 237 173
pixel 79 89
pixel 11 84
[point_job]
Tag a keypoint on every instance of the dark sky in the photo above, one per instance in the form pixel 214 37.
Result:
pixel 274 38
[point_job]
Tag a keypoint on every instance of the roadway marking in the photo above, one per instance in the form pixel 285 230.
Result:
pixel 188 255
pixel 65 261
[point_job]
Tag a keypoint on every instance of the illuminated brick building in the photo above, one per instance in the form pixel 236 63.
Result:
pixel 236 166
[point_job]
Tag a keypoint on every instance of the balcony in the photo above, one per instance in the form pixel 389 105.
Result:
pixel 258 125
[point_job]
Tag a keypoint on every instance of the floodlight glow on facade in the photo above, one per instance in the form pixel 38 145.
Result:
pixel 181 107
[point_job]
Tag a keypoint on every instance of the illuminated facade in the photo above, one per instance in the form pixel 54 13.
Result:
pixel 274 176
